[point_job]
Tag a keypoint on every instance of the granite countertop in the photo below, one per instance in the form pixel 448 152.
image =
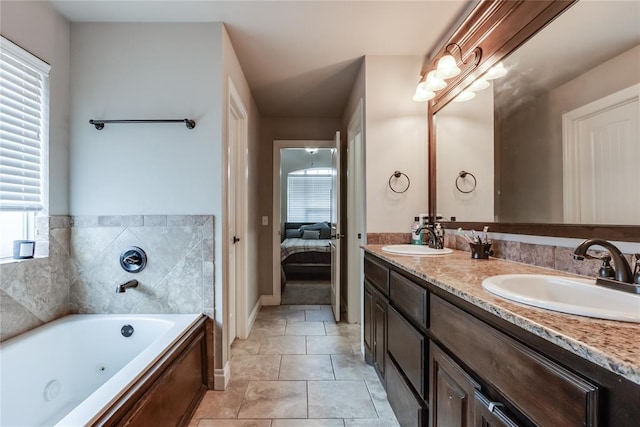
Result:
pixel 611 344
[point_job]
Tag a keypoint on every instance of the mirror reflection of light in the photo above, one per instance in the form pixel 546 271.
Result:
pixel 464 96
pixel 478 85
pixel 495 72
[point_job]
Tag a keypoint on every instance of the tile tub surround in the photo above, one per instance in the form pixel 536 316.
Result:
pixel 610 344
pixel 178 277
pixel 36 291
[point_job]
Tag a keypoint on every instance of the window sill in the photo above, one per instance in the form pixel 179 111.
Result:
pixel 9 261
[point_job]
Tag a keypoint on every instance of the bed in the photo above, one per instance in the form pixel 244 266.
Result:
pixel 305 249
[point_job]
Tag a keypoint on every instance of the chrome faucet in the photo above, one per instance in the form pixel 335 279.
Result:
pixel 130 284
pixel 622 270
pixel 434 239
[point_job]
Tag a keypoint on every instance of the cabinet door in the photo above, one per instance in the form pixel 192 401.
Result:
pixel 490 414
pixel 380 334
pixel 452 392
pixel 368 323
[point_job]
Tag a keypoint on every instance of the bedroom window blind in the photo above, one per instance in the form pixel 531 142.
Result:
pixel 24 105
pixel 309 195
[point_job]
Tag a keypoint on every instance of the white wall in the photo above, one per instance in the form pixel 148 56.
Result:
pixel 396 139
pixel 38 28
pixel 464 132
pixel 146 71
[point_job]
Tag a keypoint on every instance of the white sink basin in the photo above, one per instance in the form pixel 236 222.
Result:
pixel 567 295
pixel 415 250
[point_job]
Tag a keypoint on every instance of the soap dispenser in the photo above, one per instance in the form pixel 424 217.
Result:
pixel 416 232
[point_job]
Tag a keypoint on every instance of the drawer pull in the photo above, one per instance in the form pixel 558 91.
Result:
pixel 492 406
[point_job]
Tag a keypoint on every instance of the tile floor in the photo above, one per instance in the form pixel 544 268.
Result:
pixel 298 368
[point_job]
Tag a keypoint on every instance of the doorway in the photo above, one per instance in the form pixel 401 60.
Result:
pixel 304 183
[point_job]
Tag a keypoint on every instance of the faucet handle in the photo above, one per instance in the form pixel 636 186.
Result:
pixel 606 270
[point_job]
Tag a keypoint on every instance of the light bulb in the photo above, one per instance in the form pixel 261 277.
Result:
pixel 433 83
pixel 495 72
pixel 447 67
pixel 464 96
pixel 478 85
pixel 422 95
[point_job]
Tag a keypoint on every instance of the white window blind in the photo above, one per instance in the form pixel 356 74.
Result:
pixel 309 195
pixel 24 108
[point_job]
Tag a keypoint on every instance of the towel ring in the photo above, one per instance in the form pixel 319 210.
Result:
pixel 397 175
pixel 462 175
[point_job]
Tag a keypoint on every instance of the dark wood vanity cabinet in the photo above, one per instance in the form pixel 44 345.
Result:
pixel 376 291
pixel 445 362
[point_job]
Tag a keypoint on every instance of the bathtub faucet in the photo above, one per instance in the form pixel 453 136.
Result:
pixel 130 284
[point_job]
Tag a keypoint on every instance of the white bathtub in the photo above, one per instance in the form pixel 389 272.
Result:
pixel 70 371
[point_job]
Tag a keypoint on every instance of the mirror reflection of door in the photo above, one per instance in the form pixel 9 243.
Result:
pixel 601 149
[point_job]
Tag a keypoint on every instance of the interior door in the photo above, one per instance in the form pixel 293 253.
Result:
pixel 335 229
pixel 232 224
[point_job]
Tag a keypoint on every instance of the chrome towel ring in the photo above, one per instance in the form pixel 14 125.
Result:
pixel 461 178
pixel 399 182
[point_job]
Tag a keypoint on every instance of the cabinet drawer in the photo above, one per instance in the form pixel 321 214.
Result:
pixel 543 391
pixel 409 298
pixel 377 275
pixel 409 409
pixel 409 349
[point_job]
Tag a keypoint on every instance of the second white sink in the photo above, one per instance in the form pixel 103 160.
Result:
pixel 567 295
pixel 415 250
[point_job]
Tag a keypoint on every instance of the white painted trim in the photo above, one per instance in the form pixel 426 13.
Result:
pixel 238 110
pixel 268 300
pixel 355 213
pixel 221 377
pixel 276 296
pixel 570 122
pixel 254 314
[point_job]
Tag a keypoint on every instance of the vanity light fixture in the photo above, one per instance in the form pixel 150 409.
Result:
pixel 422 94
pixel 433 83
pixel 495 72
pixel 464 96
pixel 447 67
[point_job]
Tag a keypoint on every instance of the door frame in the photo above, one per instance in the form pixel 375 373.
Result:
pixel 355 214
pixel 236 111
pixel 276 296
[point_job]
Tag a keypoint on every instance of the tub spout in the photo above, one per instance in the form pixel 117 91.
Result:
pixel 130 284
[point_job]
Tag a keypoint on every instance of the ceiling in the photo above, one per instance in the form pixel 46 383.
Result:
pixel 300 58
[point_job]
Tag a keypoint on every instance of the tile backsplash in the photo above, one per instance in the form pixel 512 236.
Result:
pixel 82 269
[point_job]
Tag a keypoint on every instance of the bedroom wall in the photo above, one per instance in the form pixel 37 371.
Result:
pixel 293 159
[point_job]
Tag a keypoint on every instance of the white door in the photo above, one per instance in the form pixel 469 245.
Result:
pixel 603 152
pixel 335 229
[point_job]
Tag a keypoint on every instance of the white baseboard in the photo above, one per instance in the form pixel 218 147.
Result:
pixel 269 300
pixel 221 377
pixel 254 314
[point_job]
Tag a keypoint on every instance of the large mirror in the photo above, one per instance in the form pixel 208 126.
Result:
pixel 555 140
